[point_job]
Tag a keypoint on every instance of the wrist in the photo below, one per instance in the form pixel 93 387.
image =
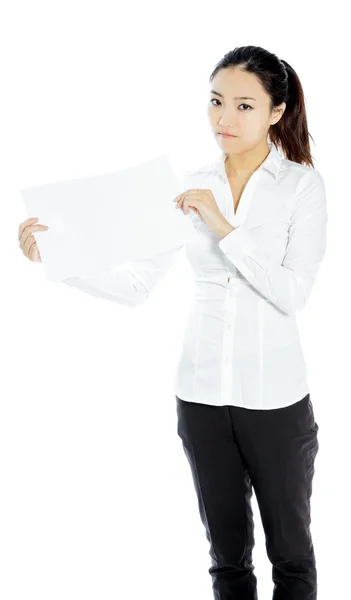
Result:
pixel 225 229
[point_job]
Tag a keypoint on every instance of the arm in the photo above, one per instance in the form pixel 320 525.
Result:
pixel 129 284
pixel 288 285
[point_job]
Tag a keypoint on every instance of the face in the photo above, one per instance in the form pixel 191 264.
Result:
pixel 247 118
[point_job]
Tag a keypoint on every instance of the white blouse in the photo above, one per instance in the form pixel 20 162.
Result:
pixel 241 345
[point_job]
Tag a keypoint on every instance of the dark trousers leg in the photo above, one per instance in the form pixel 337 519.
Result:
pixel 231 448
pixel 224 493
pixel 279 447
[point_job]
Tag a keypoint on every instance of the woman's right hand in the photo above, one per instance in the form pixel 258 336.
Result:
pixel 26 238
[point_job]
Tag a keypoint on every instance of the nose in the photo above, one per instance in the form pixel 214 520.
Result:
pixel 227 122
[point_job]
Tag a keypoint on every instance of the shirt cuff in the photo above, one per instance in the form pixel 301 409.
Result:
pixel 238 243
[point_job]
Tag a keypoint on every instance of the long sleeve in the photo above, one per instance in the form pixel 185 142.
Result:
pixel 129 284
pixel 287 285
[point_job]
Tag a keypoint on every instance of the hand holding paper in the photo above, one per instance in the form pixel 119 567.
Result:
pixel 26 239
pixel 204 203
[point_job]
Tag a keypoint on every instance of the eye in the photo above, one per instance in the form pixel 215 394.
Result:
pixel 216 100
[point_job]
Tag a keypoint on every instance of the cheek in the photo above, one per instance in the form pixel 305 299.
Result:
pixel 211 115
pixel 254 119
pixel 255 127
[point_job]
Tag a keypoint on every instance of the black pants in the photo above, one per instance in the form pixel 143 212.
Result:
pixel 232 449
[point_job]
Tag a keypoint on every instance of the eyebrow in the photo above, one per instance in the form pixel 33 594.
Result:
pixel 235 97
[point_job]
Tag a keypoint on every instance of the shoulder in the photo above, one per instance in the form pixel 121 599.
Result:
pixel 309 193
pixel 300 177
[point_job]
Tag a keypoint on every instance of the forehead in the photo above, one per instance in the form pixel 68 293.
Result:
pixel 236 82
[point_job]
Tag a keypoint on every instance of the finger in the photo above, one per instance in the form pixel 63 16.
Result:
pixel 26 224
pixel 190 203
pixel 30 241
pixel 34 253
pixel 28 230
pixel 185 206
pixel 180 201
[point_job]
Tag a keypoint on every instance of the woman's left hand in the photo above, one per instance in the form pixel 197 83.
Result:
pixel 204 203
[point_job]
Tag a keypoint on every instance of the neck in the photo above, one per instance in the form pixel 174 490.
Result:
pixel 242 165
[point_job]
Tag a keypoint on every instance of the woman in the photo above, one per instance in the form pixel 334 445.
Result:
pixel 245 417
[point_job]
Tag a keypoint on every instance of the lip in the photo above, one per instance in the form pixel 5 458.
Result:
pixel 226 135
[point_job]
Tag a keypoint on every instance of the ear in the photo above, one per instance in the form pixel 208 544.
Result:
pixel 278 112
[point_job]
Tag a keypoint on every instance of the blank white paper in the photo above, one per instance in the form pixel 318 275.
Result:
pixel 110 219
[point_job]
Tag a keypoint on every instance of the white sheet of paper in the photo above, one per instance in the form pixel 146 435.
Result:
pixel 108 219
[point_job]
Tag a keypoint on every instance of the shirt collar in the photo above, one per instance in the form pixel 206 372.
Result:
pixel 272 162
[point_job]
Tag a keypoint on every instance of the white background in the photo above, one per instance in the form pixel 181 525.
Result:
pixel 96 495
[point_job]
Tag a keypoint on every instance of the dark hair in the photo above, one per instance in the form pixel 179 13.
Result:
pixel 282 84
